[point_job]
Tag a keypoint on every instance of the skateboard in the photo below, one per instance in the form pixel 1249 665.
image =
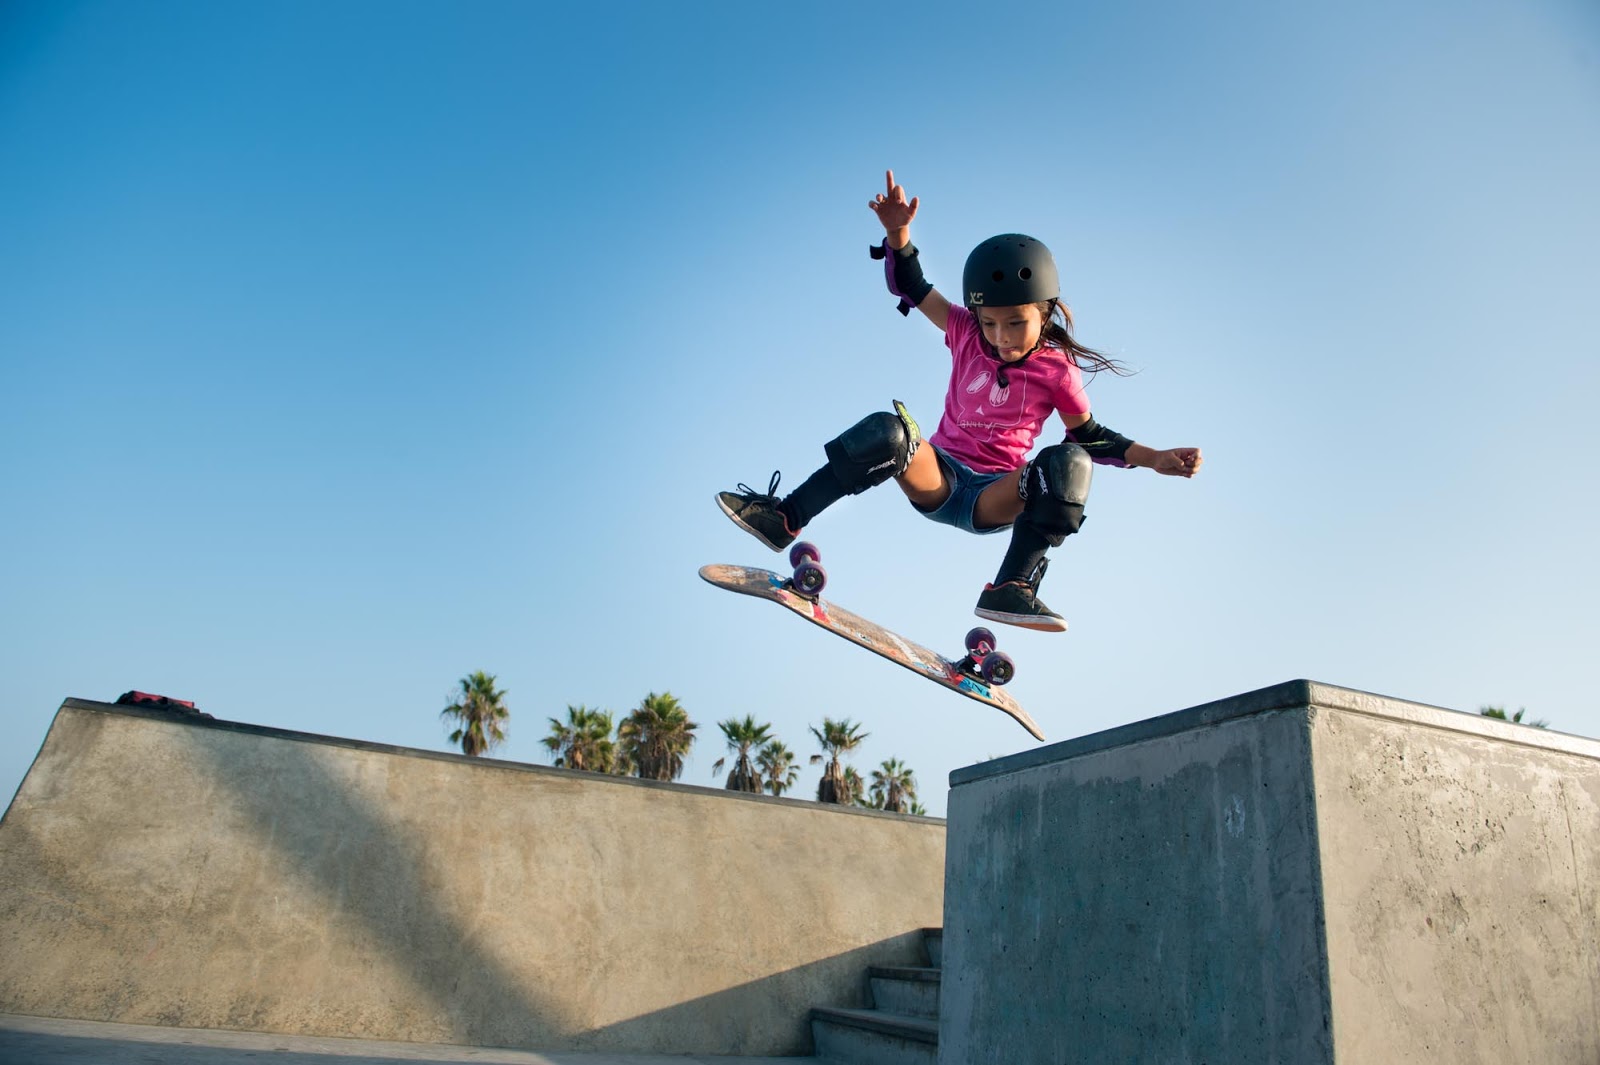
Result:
pixel 978 674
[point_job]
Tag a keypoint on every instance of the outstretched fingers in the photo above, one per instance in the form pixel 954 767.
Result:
pixel 881 204
pixel 890 205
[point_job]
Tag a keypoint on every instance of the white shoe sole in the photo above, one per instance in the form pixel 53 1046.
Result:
pixel 1024 621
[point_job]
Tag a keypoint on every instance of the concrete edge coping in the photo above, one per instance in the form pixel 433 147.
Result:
pixel 188 720
pixel 1289 695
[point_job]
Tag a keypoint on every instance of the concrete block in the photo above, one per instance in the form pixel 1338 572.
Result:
pixel 1303 873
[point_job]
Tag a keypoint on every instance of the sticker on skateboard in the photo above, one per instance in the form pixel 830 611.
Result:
pixel 977 675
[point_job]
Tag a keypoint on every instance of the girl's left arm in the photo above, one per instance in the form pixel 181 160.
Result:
pixel 1173 462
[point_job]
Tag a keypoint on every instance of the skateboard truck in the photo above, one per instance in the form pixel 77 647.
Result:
pixel 809 577
pixel 982 660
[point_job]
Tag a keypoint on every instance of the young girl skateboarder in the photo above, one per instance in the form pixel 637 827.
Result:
pixel 1014 362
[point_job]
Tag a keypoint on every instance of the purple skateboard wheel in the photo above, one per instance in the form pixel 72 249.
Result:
pixel 997 667
pixel 810 578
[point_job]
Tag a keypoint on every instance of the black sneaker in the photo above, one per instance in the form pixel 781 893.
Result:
pixel 758 514
pixel 1015 603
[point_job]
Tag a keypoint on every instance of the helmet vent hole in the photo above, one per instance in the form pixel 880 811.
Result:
pixel 1025 273
pixel 998 275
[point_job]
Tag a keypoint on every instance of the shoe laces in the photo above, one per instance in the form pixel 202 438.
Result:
pixel 752 496
pixel 1032 584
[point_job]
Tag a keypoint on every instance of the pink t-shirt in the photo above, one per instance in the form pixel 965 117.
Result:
pixel 991 428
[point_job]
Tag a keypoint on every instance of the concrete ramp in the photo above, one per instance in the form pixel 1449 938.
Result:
pixel 160 869
pixel 1302 874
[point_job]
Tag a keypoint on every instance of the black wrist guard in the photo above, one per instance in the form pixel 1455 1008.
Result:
pixel 902 269
pixel 1105 446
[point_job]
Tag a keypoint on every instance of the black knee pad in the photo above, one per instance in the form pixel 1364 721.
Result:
pixel 1054 488
pixel 871 451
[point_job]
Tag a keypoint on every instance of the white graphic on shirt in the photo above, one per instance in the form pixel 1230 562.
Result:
pixel 998 393
pixel 982 418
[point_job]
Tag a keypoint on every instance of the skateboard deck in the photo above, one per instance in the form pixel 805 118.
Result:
pixel 764 584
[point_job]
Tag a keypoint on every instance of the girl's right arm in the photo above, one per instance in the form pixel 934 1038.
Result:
pixel 896 215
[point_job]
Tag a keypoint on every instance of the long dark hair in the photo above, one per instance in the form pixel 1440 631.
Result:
pixel 1057 332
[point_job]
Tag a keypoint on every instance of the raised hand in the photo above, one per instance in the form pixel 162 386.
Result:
pixel 891 207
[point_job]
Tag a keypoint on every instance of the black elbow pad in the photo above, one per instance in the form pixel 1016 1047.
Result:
pixel 902 270
pixel 1103 445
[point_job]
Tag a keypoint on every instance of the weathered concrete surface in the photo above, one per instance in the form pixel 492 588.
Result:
pixel 1146 902
pixel 1303 873
pixel 43 1041
pixel 168 871
pixel 1459 881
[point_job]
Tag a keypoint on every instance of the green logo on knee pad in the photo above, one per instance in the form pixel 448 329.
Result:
pixel 914 433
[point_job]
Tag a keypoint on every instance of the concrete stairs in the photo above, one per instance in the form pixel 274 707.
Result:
pixel 902 1028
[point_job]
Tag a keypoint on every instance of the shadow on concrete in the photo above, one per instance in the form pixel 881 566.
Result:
pixel 318 835
pixel 371 872
pixel 29 1041
pixel 312 823
pixel 815 984
pixel 37 1049
pixel 376 878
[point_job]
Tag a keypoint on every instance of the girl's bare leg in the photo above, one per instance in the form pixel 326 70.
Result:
pixel 999 505
pixel 923 482
pixel 925 485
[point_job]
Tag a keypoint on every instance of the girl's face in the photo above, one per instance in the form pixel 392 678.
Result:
pixel 1014 331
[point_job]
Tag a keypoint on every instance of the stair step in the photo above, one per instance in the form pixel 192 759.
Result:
pixel 913 992
pixel 917 1029
pixel 923 973
pixel 933 943
pixel 874 1037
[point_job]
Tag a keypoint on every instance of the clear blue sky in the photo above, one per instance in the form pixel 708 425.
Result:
pixel 349 348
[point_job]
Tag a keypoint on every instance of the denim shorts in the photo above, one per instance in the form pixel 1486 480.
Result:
pixel 966 484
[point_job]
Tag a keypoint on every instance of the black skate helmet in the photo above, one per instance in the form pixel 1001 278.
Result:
pixel 1008 271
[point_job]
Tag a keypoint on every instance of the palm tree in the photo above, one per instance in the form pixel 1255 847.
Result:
pixel 1499 714
pixel 855 789
pixel 917 808
pixel 622 763
pixel 657 736
pixel 893 785
pixel 583 741
pixel 742 736
pixel 837 738
pixel 778 771
pixel 481 714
